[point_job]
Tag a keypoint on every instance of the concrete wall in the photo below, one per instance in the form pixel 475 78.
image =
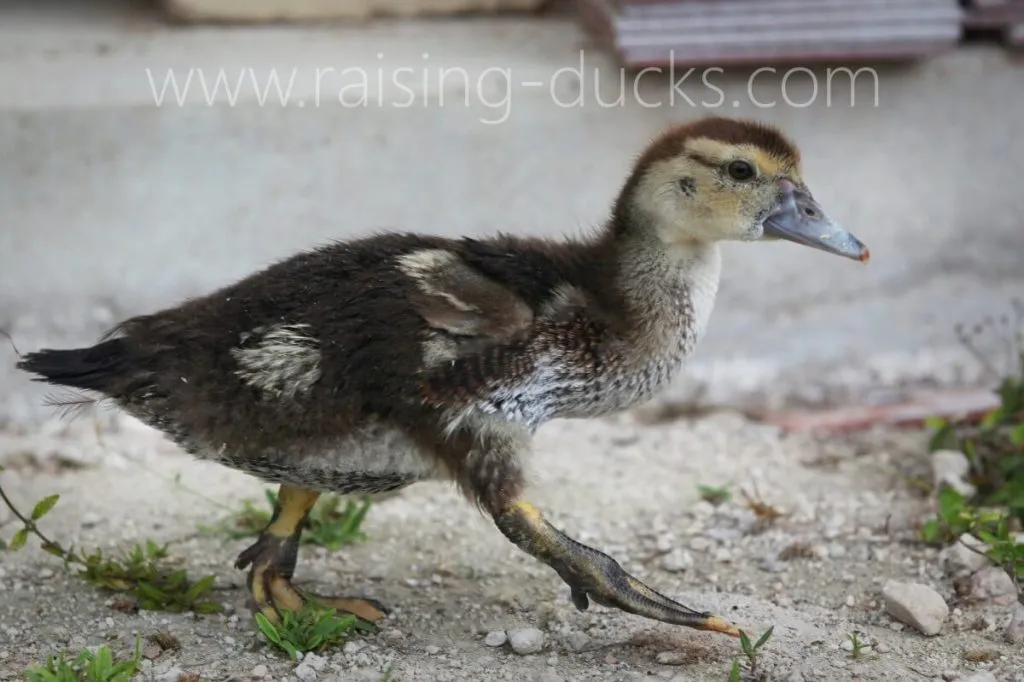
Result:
pixel 111 205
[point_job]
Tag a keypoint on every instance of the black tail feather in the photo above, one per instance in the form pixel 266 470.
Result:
pixel 96 368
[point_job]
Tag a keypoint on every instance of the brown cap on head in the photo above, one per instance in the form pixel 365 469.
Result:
pixel 726 130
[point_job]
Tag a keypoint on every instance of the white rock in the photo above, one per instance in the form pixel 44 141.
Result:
pixel 993 584
pixel 701 544
pixel 304 672
pixel 317 663
pixel 1015 630
pixel 577 640
pixel 496 638
pixel 171 675
pixel 353 646
pixel 980 676
pixel 917 605
pixel 960 559
pixel 526 640
pixel 671 658
pixel 950 468
pixel 259 672
pixel 677 561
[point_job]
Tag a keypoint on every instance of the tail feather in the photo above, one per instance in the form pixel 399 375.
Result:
pixel 96 368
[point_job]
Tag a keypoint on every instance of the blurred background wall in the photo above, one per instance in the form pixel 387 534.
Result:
pixel 116 198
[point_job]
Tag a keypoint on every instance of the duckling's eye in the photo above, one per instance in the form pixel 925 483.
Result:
pixel 740 170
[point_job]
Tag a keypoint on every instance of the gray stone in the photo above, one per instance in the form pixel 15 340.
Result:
pixel 980 676
pixel 993 584
pixel 304 672
pixel 496 638
pixel 526 640
pixel 671 658
pixel 1014 633
pixel 259 672
pixel 677 561
pixel 919 606
pixel 171 675
pixel 960 559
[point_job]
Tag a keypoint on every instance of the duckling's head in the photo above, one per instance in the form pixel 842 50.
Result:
pixel 718 179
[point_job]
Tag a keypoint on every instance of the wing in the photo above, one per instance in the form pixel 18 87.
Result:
pixel 497 344
pixel 456 299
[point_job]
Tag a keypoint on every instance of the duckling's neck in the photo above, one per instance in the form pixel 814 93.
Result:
pixel 663 296
pixel 668 289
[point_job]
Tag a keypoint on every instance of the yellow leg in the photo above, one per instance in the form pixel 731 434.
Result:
pixel 591 574
pixel 273 557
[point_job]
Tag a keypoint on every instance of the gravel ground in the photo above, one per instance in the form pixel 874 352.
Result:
pixel 465 601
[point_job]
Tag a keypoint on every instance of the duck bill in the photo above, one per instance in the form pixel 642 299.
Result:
pixel 798 218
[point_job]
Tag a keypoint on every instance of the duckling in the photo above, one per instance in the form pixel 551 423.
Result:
pixel 368 365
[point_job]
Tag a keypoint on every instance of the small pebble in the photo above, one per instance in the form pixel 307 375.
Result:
pixel 578 641
pixel 314 661
pixel 850 601
pixel 353 646
pixel 304 672
pixel 526 641
pixel 496 638
pixel 45 573
pixel 1015 630
pixel 259 672
pixel 677 561
pixel 980 676
pixel 994 584
pixel 671 658
pixel 431 650
pixel 171 675
pixel 960 559
pixel 917 605
pixel 665 542
pixel 548 676
pixel 700 544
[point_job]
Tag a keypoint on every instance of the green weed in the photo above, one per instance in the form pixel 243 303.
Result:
pixel 144 572
pixel 714 495
pixel 312 628
pixel 750 650
pixel 87 666
pixel 994 446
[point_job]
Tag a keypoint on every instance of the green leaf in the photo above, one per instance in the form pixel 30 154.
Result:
pixel 1017 435
pixel 267 628
pixel 201 587
pixel 19 539
pixel 734 674
pixel 54 549
pixel 44 506
pixel 745 643
pixel 764 638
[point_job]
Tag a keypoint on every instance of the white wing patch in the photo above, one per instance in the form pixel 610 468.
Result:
pixel 283 363
pixel 423 266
